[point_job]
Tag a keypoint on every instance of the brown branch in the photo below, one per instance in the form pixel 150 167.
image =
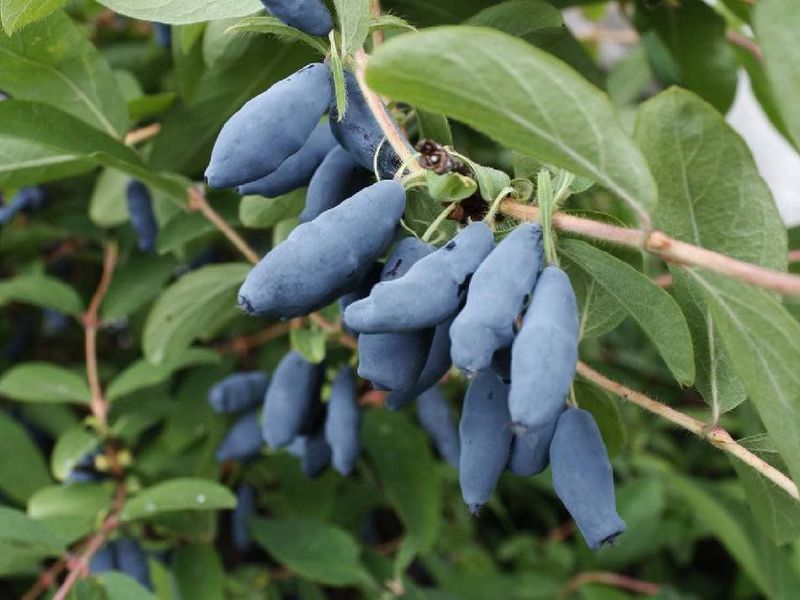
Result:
pixel 345 339
pixel 669 249
pixel 242 345
pixel 377 35
pixel 91 323
pixel 46 579
pixel 663 281
pixel 794 256
pixel 143 134
pixel 739 39
pixel 716 436
pixel 199 203
pixel 622 582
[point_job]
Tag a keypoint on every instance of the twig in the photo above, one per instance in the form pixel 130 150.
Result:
pixel 741 40
pixel 143 134
pixel 198 202
pixel 716 436
pixel 377 35
pixel 596 35
pixel 608 578
pixel 794 256
pixel 91 322
pixel 334 328
pixel 664 281
pixel 46 579
pixel 245 343
pixel 669 249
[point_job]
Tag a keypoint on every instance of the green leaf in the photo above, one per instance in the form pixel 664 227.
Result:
pixel 545 110
pixel 43 382
pixel 138 281
pixel 450 187
pixel 16 14
pixel 262 213
pixel 181 313
pixel 199 572
pixel 653 309
pixel 24 542
pixel 433 126
pixel 388 22
pixel 183 228
pixel 108 206
pixel 178 494
pixel 694 35
pixel 119 586
pixel 763 341
pixel 70 448
pixel 710 195
pixel 41 290
pixel 311 549
pixel 281 30
pixel 178 12
pixel 776 23
pixel 600 312
pixel 605 411
pixel 24 471
pixel 409 474
pixel 310 343
pixel 53 62
pixel 143 374
pixel 71 510
pixel 354 20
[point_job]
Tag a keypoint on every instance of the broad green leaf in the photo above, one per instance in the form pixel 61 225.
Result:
pixel 599 310
pixel 263 213
pixel 24 542
pixel 183 228
pixel 409 474
pixel 41 290
pixel 178 494
pixel 119 586
pixel 71 447
pixel 450 187
pixel 273 26
pixel 143 374
pixel 354 21
pixel 138 281
pixel 26 163
pixel 54 63
pixel 311 549
pixel 43 382
pixel 108 207
pixel 776 24
pixel 178 12
pixel 710 195
pixel 653 309
pixel 71 510
pixel 181 313
pixel 605 411
pixel 433 126
pixel 24 470
pixel 310 343
pixel 198 572
pixel 763 341
pixel 694 35
pixel 520 96
pixel 16 14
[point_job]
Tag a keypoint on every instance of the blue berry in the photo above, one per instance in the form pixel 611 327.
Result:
pixel 310 16
pixel 436 418
pixel 246 507
pixel 131 559
pixel 343 421
pixel 336 179
pixel 243 440
pixel 237 392
pixel 143 220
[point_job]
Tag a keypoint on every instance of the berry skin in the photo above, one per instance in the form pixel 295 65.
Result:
pixel 486 436
pixel 530 453
pixel 544 354
pixel 361 134
pixel 163 35
pixel 269 128
pixel 394 361
pixel 327 257
pixel 583 478
pixel 290 399
pixel 309 16
pixel 372 277
pixel 131 560
pixel 430 293
pixel 102 560
pixel 336 179
pixel 243 440
pixel 436 418
pixel 297 170
pixel 498 293
pixel 237 392
pixel 28 200
pixel 140 209
pixel 343 421
pixel 436 366
pixel 316 456
pixel 246 507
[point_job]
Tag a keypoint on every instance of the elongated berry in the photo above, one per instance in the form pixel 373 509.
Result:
pixel 363 289
pixel 310 16
pixel 544 354
pixel 530 452
pixel 243 441
pixel 163 35
pixel 327 257
pixel 485 435
pixel 102 560
pixel 246 507
pixel 583 478
pixel 430 293
pixel 239 391
pixel 143 220
pixel 131 559
pixel 297 170
pixel 394 361
pixel 317 455
pixel 343 421
pixel 290 399
pixel 498 293
pixel 28 200
pixel 437 419
pixel 336 179
pixel 270 128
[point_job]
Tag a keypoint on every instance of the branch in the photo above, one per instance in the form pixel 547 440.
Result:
pixel 91 322
pixel 143 134
pixel 669 249
pixel 608 578
pixel 198 202
pixel 716 436
pixel 375 11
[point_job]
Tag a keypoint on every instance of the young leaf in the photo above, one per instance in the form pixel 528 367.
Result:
pixel 136 282
pixel 24 542
pixel 279 29
pixel 41 290
pixel 545 109
pixel 178 494
pixel 21 476
pixel 653 309
pixel 310 343
pixel 354 21
pixel 178 12
pixel 72 446
pixel 311 549
pixel 43 382
pixel 433 126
